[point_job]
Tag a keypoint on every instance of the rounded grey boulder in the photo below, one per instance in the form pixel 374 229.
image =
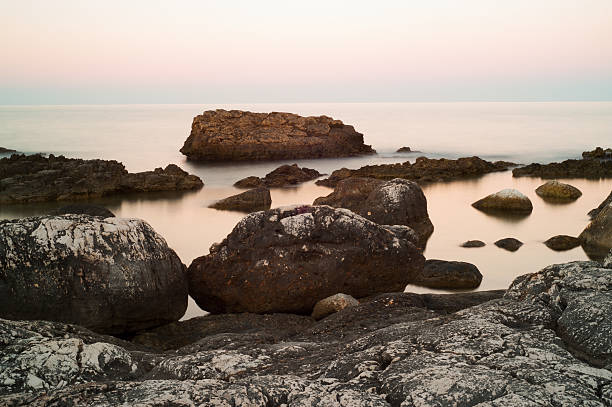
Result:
pixel 110 275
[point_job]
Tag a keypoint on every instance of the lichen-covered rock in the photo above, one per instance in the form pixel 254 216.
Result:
pixel 509 243
pixel 395 202
pixel 257 199
pixel 597 236
pixel 332 304
pixel 83 209
pixel 444 274
pixel 221 135
pixel 424 170
pixel 111 275
pixel 473 243
pixel 505 201
pixel 558 191
pixel 283 176
pixel 562 242
pixel 35 178
pixel 287 259
pixel 605 203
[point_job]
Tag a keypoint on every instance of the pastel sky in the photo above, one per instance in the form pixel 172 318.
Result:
pixel 182 51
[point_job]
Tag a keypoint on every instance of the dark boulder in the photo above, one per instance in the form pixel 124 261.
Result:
pixel 257 199
pixel 558 191
pixel 509 243
pixel 287 259
pixel 404 150
pixel 593 169
pixel 505 201
pixel 597 236
pixel 562 242
pixel 110 275
pixel 83 209
pixel 395 202
pixel 444 274
pixel 473 243
pixel 283 176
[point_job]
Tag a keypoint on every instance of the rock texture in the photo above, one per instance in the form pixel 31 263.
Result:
pixel 595 164
pixel 473 243
pixel 257 199
pixel 111 275
pixel 220 135
pixel 35 178
pixel 558 191
pixel 422 171
pixel 505 201
pixel 444 274
pixel 562 242
pixel 333 304
pixel 395 202
pixel 608 260
pixel 606 202
pixel 546 343
pixel 83 209
pixel 597 236
pixel 283 176
pixel 287 259
pixel 509 243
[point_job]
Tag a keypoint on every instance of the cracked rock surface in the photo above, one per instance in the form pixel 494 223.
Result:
pixel 542 344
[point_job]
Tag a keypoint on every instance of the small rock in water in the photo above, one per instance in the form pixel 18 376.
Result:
pixel 555 190
pixel 444 274
pixel 511 244
pixel 283 176
pixel 562 242
pixel 404 150
pixel 473 243
pixel 506 200
pixel 333 304
pixel 83 209
pixel 257 199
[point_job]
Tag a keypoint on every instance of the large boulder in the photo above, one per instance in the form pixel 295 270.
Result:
pixel 287 259
pixel 35 178
pixel 111 275
pixel 221 135
pixel 558 191
pixel 282 176
pixel 395 202
pixel 505 201
pixel 257 199
pixel 597 236
pixel 444 274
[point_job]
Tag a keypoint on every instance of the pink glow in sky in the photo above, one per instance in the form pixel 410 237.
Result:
pixel 65 51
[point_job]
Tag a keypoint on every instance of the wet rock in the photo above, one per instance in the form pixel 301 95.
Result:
pixel 283 176
pixel 220 135
pixel 597 236
pixel 505 201
pixel 395 202
pixel 444 274
pixel 509 243
pixel 558 191
pixel 404 150
pixel 424 170
pixel 473 243
pixel 333 304
pixel 287 259
pixel 111 275
pixel 562 242
pixel 83 209
pixel 599 153
pixel 257 199
pixel 35 178
pixel 606 202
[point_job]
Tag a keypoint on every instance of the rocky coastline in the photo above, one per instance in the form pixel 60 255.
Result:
pixel 594 164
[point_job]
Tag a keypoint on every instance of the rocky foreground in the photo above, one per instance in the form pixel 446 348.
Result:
pixel 235 135
pixel 546 342
pixel 35 178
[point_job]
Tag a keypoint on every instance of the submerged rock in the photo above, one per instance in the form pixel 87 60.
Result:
pixel 110 275
pixel 546 343
pixel 83 209
pixel 35 178
pixel 505 201
pixel 597 236
pixel 257 199
pixel 221 135
pixel 444 274
pixel 606 202
pixel 473 243
pixel 422 171
pixel 395 202
pixel 287 259
pixel 555 190
pixel 333 304
pixel 562 242
pixel 284 175
pixel 509 243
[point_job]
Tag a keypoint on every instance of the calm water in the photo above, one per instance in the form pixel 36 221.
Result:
pixel 147 136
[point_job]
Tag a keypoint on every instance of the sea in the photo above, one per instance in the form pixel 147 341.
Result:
pixel 144 137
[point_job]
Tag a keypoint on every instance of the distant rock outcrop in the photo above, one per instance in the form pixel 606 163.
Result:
pixel 221 135
pixel 282 176
pixel 599 153
pixel 422 171
pixel 35 178
pixel 4 150
pixel 595 164
pixel 257 199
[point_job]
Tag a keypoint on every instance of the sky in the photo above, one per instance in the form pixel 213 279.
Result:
pixel 197 51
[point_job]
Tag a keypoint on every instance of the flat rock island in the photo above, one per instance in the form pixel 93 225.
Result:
pixel 235 135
